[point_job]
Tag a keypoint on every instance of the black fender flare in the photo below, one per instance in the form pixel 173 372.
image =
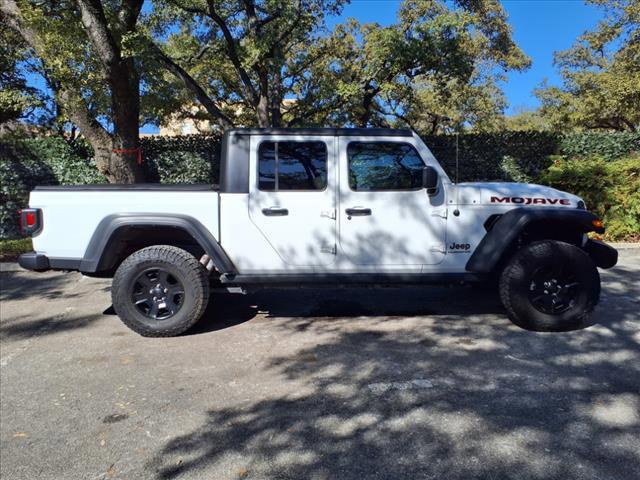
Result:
pixel 509 226
pixel 109 226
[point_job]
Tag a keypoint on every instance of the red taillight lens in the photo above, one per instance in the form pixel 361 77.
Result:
pixel 30 221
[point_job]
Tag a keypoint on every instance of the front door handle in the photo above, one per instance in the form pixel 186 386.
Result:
pixel 275 212
pixel 358 211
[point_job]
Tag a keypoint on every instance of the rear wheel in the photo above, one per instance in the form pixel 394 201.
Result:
pixel 160 291
pixel 550 286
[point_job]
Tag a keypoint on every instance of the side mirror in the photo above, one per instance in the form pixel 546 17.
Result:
pixel 430 180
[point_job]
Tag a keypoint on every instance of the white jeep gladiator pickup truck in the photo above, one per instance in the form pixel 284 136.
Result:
pixel 321 206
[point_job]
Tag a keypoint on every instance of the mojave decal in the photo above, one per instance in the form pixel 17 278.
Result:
pixel 531 200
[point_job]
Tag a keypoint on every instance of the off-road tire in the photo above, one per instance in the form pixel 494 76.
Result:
pixel 181 266
pixel 519 283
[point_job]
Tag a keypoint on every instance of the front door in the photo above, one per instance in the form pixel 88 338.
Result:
pixel 387 220
pixel 292 197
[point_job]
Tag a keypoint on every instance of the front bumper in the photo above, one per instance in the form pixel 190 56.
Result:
pixel 34 261
pixel 603 255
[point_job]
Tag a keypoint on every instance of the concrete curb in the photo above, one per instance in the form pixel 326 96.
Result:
pixel 624 246
pixel 10 267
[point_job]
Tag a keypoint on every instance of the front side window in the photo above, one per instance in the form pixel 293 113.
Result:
pixel 379 166
pixel 292 166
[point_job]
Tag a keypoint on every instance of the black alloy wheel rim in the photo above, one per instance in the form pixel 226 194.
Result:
pixel 554 289
pixel 157 294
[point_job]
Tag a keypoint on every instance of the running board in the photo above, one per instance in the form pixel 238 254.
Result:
pixel 350 278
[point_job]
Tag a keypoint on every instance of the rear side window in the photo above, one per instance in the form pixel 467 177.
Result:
pixel 379 166
pixel 292 166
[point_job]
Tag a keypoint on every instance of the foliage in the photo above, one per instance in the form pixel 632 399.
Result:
pixel 186 159
pixel 16 98
pixel 524 120
pixel 272 63
pixel 600 73
pixel 11 249
pixel 43 161
pixel 80 48
pixel 610 188
pixel 435 68
pixel 238 59
pixel 606 145
pixel 499 156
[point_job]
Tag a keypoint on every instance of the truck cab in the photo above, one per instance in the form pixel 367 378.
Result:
pixel 324 200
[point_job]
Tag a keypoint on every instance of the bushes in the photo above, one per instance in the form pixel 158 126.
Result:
pixel 610 188
pixel 186 159
pixel 10 250
pixel 514 156
pixel 605 145
pixel 500 156
pixel 42 161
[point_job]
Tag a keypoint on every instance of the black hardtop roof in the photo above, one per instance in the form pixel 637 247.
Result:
pixel 338 132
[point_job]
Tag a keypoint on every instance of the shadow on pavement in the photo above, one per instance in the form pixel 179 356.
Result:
pixel 457 397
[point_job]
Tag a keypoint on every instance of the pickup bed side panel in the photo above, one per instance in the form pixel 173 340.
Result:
pixel 70 218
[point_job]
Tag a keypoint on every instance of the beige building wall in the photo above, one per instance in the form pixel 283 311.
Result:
pixel 190 126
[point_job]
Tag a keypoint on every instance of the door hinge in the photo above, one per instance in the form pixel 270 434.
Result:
pixel 332 249
pixel 441 212
pixel 329 214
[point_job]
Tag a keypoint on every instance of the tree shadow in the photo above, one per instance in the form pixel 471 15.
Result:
pixel 22 327
pixel 227 310
pixel 380 403
pixel 22 285
pixel 454 395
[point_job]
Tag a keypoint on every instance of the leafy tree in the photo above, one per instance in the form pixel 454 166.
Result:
pixel 238 58
pixel 17 99
pixel 81 46
pixel 436 66
pixel 524 120
pixel 273 63
pixel 600 74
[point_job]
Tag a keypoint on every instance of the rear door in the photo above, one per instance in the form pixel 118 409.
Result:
pixel 387 220
pixel 292 196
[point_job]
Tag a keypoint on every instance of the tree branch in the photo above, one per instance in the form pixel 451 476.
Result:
pixel 95 24
pixel 191 84
pixel 233 51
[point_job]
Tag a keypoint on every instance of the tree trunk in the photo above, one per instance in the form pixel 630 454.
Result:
pixel 262 111
pixel 367 104
pixel 125 103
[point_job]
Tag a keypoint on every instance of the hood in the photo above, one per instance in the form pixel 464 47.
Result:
pixel 514 194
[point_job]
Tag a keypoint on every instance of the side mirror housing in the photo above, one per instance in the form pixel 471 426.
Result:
pixel 430 180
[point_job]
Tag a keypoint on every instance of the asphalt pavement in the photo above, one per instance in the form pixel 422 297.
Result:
pixel 317 384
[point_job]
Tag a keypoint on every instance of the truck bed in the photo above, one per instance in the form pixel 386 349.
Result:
pixel 71 214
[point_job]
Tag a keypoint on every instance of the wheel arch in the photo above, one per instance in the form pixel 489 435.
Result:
pixel 524 225
pixel 118 235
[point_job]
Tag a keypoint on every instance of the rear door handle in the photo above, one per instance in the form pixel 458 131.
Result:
pixel 358 211
pixel 275 212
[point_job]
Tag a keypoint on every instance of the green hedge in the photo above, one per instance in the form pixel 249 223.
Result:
pixel 608 146
pixel 185 159
pixel 506 156
pixel 610 188
pixel 43 161
pixel 502 156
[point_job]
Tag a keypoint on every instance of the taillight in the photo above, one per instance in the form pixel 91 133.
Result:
pixel 30 221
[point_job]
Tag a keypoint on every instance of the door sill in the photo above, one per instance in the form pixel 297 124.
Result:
pixel 349 278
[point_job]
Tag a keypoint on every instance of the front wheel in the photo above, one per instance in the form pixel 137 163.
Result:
pixel 550 286
pixel 160 291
